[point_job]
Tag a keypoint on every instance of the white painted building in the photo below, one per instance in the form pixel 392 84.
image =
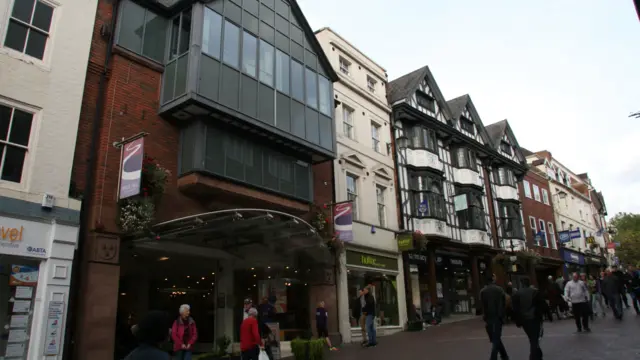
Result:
pixel 44 50
pixel 364 174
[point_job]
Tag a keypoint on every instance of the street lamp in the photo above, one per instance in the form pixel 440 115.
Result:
pixel 402 142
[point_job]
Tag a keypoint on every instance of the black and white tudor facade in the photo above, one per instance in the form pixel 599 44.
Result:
pixel 453 169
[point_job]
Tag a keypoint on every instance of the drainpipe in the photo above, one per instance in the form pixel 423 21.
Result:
pixel 89 187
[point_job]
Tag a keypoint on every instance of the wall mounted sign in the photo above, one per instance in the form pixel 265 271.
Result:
pixel 572 257
pixel 24 238
pixel 343 221
pixel 405 242
pixel 417 258
pixel 371 261
pixel 131 168
pixel 55 316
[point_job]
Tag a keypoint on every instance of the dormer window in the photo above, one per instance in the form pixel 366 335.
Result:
pixel 371 84
pixel 345 66
pixel 426 101
pixel 505 147
pixel 467 125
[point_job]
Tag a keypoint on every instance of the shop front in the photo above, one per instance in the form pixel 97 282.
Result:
pixel 35 269
pixel 382 273
pixel 595 264
pixel 573 262
pixel 454 284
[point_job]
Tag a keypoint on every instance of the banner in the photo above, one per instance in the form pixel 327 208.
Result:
pixel 131 173
pixel 343 221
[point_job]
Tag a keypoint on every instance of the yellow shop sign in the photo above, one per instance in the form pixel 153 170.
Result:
pixel 11 233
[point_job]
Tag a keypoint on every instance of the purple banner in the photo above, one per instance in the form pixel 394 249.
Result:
pixel 343 221
pixel 131 173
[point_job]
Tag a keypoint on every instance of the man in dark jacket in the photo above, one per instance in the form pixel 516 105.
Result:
pixel 369 310
pixel 494 305
pixel 633 286
pixel 621 283
pixel 611 289
pixel 528 309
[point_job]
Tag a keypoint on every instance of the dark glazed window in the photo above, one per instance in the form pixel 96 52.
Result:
pixel 324 95
pixel 426 101
pixel 282 72
pixel 15 131
pixel 180 31
pixel 312 88
pixel 505 147
pixel 467 125
pixel 464 158
pixel 241 159
pixel 141 31
pixel 28 29
pixel 249 54
pixel 473 217
pixel 504 176
pixel 266 63
pixel 427 199
pixel 231 54
pixel 510 220
pixel 297 81
pixel 423 138
pixel 212 33
pixel 175 71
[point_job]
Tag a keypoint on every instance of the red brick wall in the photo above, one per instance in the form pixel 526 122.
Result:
pixel 538 210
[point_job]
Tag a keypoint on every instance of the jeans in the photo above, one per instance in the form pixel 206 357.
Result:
pixel 581 315
pixel 634 299
pixel 371 329
pixel 183 355
pixel 597 304
pixel 494 330
pixel 533 328
pixel 616 305
pixel 251 354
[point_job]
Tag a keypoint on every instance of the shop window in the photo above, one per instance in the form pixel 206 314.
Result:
pixel 423 138
pixel 142 31
pixel 15 131
pixel 427 197
pixel 504 177
pixel 28 28
pixel 18 284
pixel 384 290
pixel 464 158
pixel 473 217
pixel 510 220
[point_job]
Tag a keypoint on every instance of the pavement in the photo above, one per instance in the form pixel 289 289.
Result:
pixel 609 339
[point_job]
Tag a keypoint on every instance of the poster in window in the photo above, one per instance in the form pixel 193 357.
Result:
pixel 23 275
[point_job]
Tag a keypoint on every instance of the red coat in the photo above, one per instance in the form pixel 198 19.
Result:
pixel 177 333
pixel 249 334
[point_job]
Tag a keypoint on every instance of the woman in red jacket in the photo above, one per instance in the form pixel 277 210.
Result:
pixel 184 334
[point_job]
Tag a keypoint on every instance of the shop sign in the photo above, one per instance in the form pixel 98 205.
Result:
pixel 405 242
pixel 54 328
pixel 573 257
pixel 372 261
pixel 456 262
pixel 417 258
pixel 482 265
pixel 594 260
pixel 24 238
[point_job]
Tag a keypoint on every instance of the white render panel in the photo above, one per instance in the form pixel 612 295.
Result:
pixel 518 244
pixel 431 227
pixel 51 88
pixel 471 236
pixel 507 193
pixel 424 158
pixel 467 177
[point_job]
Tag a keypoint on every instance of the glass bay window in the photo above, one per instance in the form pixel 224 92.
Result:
pixel 427 199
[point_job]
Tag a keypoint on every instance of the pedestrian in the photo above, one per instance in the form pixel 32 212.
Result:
pixel 611 289
pixel 322 326
pixel 369 310
pixel 266 315
pixel 633 286
pixel 184 333
pixel 494 304
pixel 528 311
pixel 583 278
pixel 248 304
pixel 250 340
pixel 554 296
pixel 563 305
pixel 576 291
pixel 358 305
pixel 151 332
pixel 595 288
pixel 621 282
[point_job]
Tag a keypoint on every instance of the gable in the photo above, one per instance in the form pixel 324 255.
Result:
pixel 420 90
pixel 508 146
pixel 467 120
pixel 354 160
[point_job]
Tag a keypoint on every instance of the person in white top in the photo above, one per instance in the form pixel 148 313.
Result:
pixel 576 291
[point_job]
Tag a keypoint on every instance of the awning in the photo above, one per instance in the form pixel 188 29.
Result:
pixel 239 233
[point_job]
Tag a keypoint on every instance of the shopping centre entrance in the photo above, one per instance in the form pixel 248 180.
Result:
pixel 214 261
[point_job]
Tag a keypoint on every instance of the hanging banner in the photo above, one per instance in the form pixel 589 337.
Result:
pixel 131 168
pixel 343 221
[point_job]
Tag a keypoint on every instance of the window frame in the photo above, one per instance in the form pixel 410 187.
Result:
pixel 344 65
pixel 510 214
pixel 352 195
pixel 437 205
pixel 375 136
pixel 381 203
pixel 464 121
pixel 526 186
pixel 552 235
pixel 371 84
pixel 533 224
pixel 509 177
pixel 536 193
pixel 545 196
pixel 417 141
pixel 543 232
pixel 505 147
pixel 348 129
pixel 474 217
pixel 6 144
pixel 52 25
pixel 468 153
pixel 426 101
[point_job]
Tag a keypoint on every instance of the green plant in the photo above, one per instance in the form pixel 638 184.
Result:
pixel 207 356
pixel 222 344
pixel 414 326
pixel 316 349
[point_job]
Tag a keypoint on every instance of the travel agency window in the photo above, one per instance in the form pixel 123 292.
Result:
pixel 380 273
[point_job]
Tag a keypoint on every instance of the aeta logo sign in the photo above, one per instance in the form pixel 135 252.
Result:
pixel 36 251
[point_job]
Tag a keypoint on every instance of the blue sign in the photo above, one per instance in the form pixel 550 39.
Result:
pixel 423 208
pixel 572 257
pixel 568 235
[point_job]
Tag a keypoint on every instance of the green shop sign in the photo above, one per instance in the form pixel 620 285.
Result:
pixel 372 261
pixel 405 242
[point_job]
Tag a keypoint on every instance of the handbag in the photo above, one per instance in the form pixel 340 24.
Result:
pixel 263 355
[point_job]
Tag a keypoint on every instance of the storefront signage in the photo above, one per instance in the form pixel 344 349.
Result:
pixel 417 258
pixel 372 261
pixel 568 235
pixel 456 262
pixel 405 242
pixel 594 260
pixel 131 168
pixel 24 238
pixel 573 257
pixel 343 221
pixel 448 261
pixel 54 328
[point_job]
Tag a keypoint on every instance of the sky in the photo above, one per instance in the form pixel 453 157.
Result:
pixel 565 74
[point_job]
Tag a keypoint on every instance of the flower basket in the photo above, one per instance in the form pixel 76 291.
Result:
pixel 335 244
pixel 419 239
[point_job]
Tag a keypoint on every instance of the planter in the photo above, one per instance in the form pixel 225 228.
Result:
pixel 316 349
pixel 414 326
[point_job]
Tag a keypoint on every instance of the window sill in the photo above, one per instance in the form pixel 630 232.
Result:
pixel 433 151
pixel 25 58
pixel 466 168
pixel 509 185
pixel 138 58
pixel 473 228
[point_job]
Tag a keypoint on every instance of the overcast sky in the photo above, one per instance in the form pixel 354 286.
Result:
pixel 564 73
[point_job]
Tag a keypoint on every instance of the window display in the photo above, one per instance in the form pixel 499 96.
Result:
pixel 18 281
pixel 384 290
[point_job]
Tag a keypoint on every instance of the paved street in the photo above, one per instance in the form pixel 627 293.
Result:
pixel 468 340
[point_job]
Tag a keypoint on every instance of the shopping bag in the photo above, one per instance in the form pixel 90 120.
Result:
pixel 263 355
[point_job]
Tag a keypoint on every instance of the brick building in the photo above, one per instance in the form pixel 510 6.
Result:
pixel 539 223
pixel 235 102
